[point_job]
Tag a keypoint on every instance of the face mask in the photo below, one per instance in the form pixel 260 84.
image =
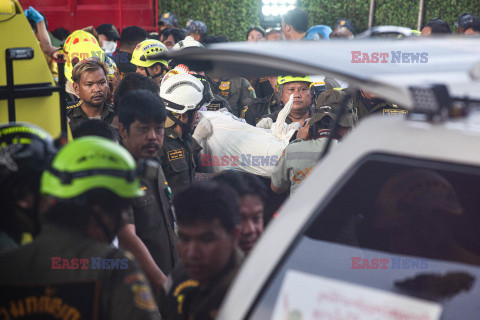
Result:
pixel 109 46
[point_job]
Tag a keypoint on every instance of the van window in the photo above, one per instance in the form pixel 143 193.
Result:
pixel 399 226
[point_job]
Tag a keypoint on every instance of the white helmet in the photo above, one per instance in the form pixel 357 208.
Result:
pixel 185 43
pixel 183 92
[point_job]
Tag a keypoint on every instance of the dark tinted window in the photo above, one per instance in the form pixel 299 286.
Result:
pixel 404 226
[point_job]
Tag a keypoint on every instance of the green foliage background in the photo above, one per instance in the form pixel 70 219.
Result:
pixel 232 18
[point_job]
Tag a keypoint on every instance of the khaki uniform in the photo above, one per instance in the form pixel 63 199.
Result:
pixel 288 120
pixel 182 297
pixel 237 91
pixel 218 103
pixel 109 284
pixel 155 222
pixel 297 162
pixel 76 114
pixel 363 107
pixel 260 107
pixel 177 158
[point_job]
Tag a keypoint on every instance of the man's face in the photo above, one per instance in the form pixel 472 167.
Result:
pixel 251 225
pixel 169 42
pixel 255 36
pixel 184 119
pixel 205 248
pixel 92 88
pixel 302 97
pixel 142 140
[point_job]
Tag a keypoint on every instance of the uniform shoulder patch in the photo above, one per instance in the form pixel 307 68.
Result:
pixel 214 106
pixel 395 112
pixel 224 85
pixel 142 297
pixel 78 104
pixel 175 154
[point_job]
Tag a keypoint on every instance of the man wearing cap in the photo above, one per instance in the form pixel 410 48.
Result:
pixel 197 30
pixel 167 20
pixel 147 64
pixel 300 156
pixel 90 85
pixel 468 24
pixel 344 24
pixel 108 37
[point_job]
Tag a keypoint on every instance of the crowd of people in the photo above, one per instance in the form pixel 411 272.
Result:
pixel 132 174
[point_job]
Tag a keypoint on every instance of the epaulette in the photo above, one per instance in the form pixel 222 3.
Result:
pixel 77 104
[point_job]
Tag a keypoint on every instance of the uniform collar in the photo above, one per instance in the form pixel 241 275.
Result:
pixel 107 109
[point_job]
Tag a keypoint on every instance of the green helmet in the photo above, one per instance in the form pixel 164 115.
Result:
pixel 91 163
pixel 287 79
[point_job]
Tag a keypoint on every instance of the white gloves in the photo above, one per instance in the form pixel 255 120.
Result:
pixel 265 123
pixel 202 131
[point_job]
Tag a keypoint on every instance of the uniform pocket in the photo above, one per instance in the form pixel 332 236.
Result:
pixel 179 166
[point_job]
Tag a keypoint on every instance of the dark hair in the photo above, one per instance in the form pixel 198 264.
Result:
pixel 141 105
pixel 438 26
pixel 297 18
pixel 214 39
pixel 132 35
pixel 94 127
pixel 243 183
pixel 259 29
pixel 134 81
pixel 205 202
pixel 178 35
pixel 75 213
pixel 61 34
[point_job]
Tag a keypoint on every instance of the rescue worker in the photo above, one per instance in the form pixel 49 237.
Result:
pixel 366 103
pixel 273 103
pixel 141 126
pixel 237 91
pixel 90 183
pixel 208 233
pixel 91 86
pixel 153 68
pixel 302 108
pixel 218 102
pixel 183 95
pixel 25 151
pixel 301 155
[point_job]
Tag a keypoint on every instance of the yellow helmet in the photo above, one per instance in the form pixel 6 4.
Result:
pixel 288 79
pixel 82 51
pixel 76 37
pixel 146 49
